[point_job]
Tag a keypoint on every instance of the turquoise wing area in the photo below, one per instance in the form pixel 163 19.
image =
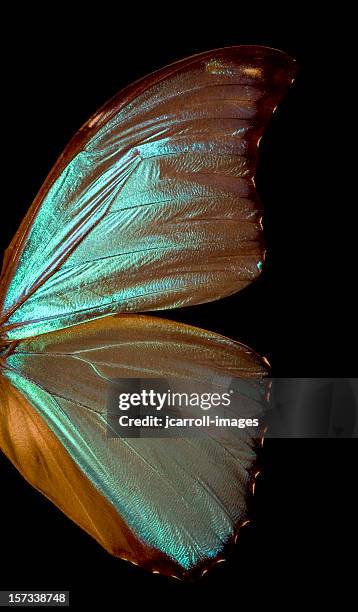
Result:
pixel 183 497
pixel 152 205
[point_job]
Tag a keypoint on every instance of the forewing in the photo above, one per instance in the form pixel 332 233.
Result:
pixel 169 504
pixel 152 205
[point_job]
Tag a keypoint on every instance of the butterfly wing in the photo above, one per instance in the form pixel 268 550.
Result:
pixel 152 205
pixel 171 505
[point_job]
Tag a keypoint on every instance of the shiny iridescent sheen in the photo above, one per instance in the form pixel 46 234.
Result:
pixel 151 206
pixel 151 482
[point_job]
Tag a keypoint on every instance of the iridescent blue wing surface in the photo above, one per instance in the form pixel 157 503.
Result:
pixel 170 505
pixel 153 204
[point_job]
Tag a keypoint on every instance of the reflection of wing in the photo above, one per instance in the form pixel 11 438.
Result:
pixel 152 205
pixel 170 504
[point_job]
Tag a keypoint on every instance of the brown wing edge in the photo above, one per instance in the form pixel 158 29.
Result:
pixel 40 458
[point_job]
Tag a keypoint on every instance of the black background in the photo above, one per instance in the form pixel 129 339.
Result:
pixel 55 75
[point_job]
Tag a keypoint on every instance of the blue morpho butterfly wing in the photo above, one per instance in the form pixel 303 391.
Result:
pixel 153 203
pixel 169 504
pixel 151 206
